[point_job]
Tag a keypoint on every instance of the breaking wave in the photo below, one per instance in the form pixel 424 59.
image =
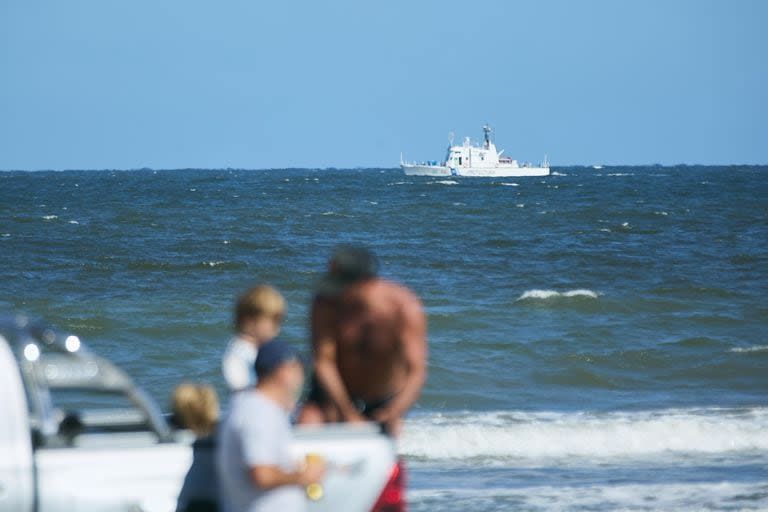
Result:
pixel 552 294
pixel 528 435
pixel 756 348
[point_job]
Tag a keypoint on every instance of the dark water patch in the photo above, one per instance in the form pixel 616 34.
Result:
pixel 169 266
pixel 500 243
pixel 694 292
pixel 714 320
pixel 576 378
pixel 748 259
pixel 654 305
pixel 630 360
pixel 730 372
pixel 696 343
pixel 455 322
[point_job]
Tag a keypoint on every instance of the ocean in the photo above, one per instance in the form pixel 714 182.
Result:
pixel 598 339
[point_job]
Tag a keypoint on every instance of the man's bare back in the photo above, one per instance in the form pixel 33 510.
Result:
pixel 368 326
pixel 370 353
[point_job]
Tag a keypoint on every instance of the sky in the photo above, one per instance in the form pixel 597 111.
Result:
pixel 97 84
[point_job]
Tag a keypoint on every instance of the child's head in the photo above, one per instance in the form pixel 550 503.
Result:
pixel 195 407
pixel 259 312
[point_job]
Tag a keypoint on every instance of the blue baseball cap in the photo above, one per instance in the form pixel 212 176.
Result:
pixel 271 355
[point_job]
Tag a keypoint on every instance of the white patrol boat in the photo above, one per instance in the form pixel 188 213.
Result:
pixel 475 161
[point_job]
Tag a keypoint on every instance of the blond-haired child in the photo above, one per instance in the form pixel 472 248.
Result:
pixel 195 407
pixel 258 315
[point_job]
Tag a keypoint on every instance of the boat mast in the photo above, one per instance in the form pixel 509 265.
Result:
pixel 487 136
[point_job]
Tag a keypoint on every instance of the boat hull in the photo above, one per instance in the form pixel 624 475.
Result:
pixel 503 171
pixel 426 170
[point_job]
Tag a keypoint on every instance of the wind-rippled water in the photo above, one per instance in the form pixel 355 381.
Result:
pixel 598 338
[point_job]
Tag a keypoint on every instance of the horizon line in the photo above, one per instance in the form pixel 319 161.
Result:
pixel 332 168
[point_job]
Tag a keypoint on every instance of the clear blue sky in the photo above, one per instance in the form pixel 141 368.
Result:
pixel 260 84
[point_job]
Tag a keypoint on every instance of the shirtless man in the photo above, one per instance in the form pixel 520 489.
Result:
pixel 368 343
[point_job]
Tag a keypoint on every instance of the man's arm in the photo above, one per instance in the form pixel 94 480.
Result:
pixel 326 370
pixel 414 347
pixel 271 477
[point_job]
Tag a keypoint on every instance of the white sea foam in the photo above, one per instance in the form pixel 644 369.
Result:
pixel 510 184
pixel 446 182
pixel 525 435
pixel 647 497
pixel 213 263
pixel 558 174
pixel 620 174
pixel 553 294
pixel 756 348
pixel 50 217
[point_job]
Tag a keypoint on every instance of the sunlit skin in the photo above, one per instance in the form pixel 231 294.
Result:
pixel 260 329
pixel 369 343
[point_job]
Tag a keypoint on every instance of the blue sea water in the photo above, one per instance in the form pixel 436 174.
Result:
pixel 598 338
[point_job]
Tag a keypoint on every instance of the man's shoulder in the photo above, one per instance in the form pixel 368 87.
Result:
pixel 402 295
pixel 247 400
pixel 392 289
pixel 250 406
pixel 394 296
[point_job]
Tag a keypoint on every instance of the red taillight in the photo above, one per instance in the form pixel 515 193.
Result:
pixel 391 498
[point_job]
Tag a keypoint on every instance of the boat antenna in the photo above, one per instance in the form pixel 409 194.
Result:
pixel 487 135
pixel 451 136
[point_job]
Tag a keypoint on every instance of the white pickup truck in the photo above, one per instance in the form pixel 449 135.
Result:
pixel 76 434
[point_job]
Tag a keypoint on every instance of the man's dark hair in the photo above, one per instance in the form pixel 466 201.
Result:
pixel 353 263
